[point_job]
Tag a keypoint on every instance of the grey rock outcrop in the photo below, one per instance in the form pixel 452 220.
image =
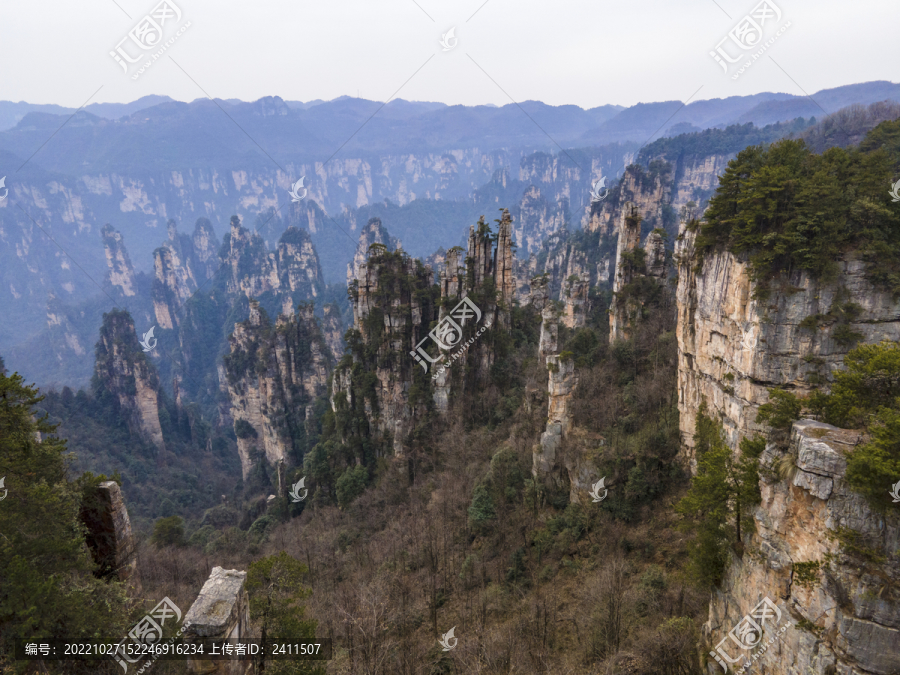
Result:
pixel 787 340
pixel 180 265
pixel 109 535
pixel 221 611
pixel 373 233
pixel 838 611
pixel 121 272
pixel 124 370
pixel 625 270
pixel 273 374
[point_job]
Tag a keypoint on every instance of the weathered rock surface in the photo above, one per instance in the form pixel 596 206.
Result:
pixel 380 292
pixel 180 265
pixel 373 233
pixel 625 272
pixel 221 611
pixel 273 375
pixel 843 617
pixel 123 369
pixel 722 330
pixel 333 330
pixel 291 272
pixel 536 218
pixel 575 290
pixel 560 388
pixel 109 536
pixel 121 272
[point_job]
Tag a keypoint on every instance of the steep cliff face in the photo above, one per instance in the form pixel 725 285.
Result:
pixel 536 218
pixel 273 374
pixel 121 272
pixel 373 233
pixel 839 611
pixel 733 347
pixel 180 266
pixel 333 331
pixel 561 460
pixel 646 191
pixel 292 270
pixel 123 370
pixel 393 302
pixel 634 265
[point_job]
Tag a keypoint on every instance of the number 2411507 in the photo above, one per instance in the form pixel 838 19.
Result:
pixel 302 649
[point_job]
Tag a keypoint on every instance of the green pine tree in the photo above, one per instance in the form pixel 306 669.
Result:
pixel 48 587
pixel 276 595
pixel 720 498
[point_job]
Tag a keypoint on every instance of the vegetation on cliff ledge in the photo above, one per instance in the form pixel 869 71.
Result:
pixel 789 209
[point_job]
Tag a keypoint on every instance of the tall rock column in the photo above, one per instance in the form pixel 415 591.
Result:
pixel 123 370
pixel 504 275
pixel 561 385
pixel 575 290
pixel 393 306
pixel 273 374
pixel 121 272
pixel 629 240
pixel 479 263
pixel 109 535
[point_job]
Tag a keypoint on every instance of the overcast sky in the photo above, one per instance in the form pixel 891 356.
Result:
pixel 583 52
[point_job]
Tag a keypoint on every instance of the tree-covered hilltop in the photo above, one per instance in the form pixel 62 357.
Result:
pixel 733 138
pixel 788 209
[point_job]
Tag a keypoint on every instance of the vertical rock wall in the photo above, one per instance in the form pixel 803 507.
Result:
pixel 732 348
pixel 123 369
pixel 273 373
pixel 840 613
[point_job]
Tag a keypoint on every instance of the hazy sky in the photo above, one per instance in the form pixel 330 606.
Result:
pixel 583 52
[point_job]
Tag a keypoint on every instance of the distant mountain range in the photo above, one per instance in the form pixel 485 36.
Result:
pixel 423 168
pixel 402 125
